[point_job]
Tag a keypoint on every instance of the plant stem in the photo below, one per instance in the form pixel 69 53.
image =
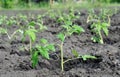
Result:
pixel 10 37
pixel 30 46
pixel 109 20
pixel 14 33
pixel 101 38
pixel 62 63
pixel 70 59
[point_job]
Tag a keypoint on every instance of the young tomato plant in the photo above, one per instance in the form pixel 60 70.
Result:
pixel 69 30
pixel 77 56
pixel 40 23
pixel 43 49
pixel 100 23
pixel 97 28
pixel 67 17
pixel 6 23
pixel 5 31
pixel 30 31
pixel 84 57
pixel 2 19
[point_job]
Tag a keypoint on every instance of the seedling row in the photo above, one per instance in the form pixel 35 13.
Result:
pixel 28 28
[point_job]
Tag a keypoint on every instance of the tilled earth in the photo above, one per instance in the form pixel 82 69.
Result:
pixel 16 63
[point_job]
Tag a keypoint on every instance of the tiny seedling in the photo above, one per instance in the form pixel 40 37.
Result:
pixel 30 32
pixel 2 19
pixel 100 23
pixel 52 14
pixel 97 28
pixel 5 31
pixel 43 49
pixel 69 30
pixel 21 19
pixel 77 56
pixel 6 24
pixel 70 16
pixel 40 23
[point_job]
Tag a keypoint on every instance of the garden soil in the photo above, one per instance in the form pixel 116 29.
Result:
pixel 14 62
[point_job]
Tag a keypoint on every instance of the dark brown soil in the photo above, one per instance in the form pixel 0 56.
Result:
pixel 16 63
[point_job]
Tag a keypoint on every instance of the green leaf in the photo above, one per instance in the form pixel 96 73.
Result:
pixel 60 19
pixel 32 23
pixel 21 31
pixel 2 30
pixel 75 53
pixel 95 39
pixel 61 36
pixel 44 52
pixel 39 16
pixel 31 34
pixel 92 26
pixel 44 41
pixel 85 57
pixel 66 27
pixel 104 24
pixel 105 28
pixel 34 59
pixel 42 27
pixel 51 47
pixel 77 29
pixel 106 31
pixel 68 23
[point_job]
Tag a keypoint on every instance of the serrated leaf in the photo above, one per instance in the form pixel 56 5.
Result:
pixel 39 16
pixel 61 36
pixel 85 57
pixel 34 59
pixel 66 27
pixel 42 27
pixel 32 23
pixel 105 31
pixel 75 53
pixel 60 19
pixel 77 29
pixel 44 52
pixel 51 47
pixel 2 30
pixel 95 39
pixel 105 28
pixel 68 23
pixel 92 26
pixel 44 41
pixel 105 24
pixel 31 34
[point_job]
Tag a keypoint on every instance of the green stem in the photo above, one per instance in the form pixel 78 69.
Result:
pixel 101 38
pixel 70 59
pixel 10 37
pixel 62 63
pixel 30 46
pixel 109 20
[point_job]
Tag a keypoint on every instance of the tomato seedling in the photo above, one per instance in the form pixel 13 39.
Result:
pixel 70 28
pixel 100 23
pixel 6 24
pixel 43 49
pixel 77 56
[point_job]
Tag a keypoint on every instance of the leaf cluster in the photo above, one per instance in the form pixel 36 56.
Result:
pixel 43 49
pixel 100 23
